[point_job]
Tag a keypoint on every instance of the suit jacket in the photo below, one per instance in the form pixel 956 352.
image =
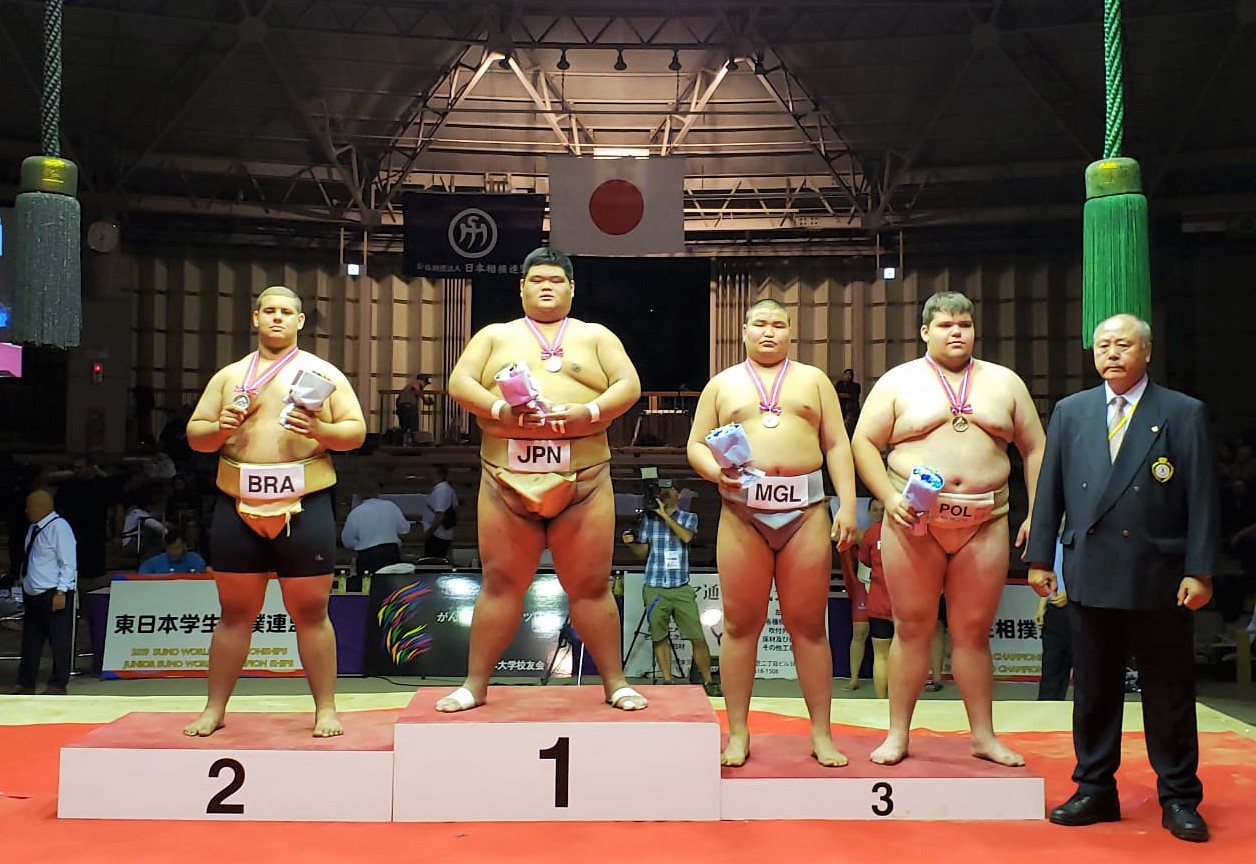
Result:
pixel 1135 526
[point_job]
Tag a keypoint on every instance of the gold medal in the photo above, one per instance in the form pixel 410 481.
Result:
pixel 1162 470
pixel 959 422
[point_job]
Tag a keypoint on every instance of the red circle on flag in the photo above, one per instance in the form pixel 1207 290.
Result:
pixel 616 207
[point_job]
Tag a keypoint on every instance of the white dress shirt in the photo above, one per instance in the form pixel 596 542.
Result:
pixel 51 556
pixel 374 522
pixel 1131 395
pixel 442 499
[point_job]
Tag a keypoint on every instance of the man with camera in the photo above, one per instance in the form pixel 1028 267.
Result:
pixel 662 540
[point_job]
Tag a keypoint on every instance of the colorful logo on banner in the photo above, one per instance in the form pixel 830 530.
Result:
pixel 465 235
pixel 420 624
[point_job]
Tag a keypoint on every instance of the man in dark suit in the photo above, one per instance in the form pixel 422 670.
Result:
pixel 1131 468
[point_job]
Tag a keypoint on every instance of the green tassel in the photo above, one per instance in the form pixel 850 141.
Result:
pixel 1116 258
pixel 47 302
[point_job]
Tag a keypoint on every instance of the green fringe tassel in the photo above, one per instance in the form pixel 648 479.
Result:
pixel 47 307
pixel 1116 257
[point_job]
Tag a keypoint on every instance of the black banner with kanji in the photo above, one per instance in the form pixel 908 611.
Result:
pixel 450 236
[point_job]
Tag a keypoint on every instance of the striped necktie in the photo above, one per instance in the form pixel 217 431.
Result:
pixel 1116 427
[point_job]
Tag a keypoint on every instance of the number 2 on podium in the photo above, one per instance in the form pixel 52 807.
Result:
pixel 218 804
pixel 560 753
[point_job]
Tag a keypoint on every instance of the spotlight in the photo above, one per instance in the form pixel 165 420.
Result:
pixel 889 273
pixel 563 65
pixel 675 64
pixel 620 65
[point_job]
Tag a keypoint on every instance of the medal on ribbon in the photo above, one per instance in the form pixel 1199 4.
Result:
pixel 959 401
pixel 769 404
pixel 551 352
pixel 252 384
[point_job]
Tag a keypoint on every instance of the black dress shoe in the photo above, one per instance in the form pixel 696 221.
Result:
pixel 1184 822
pixel 1087 810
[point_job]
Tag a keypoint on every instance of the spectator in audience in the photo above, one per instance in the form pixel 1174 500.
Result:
pixel 176 559
pixel 84 500
pixel 142 532
pixel 440 517
pixel 373 530
pixel 880 613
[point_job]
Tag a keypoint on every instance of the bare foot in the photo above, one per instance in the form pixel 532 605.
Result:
pixel 736 752
pixel 823 751
pixel 327 723
pixel 892 750
pixel 995 751
pixel 210 721
pixel 461 699
pixel 852 684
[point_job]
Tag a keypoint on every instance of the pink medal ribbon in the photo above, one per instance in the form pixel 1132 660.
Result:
pixel 251 386
pixel 770 406
pixel 551 352
pixel 959 402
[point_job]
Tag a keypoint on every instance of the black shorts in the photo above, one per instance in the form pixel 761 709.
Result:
pixel 880 628
pixel 307 548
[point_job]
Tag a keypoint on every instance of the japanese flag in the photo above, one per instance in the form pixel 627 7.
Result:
pixel 617 206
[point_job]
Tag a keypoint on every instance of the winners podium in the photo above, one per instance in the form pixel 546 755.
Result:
pixel 529 754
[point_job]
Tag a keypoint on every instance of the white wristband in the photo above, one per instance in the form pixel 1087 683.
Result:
pixel 496 410
pixel 595 413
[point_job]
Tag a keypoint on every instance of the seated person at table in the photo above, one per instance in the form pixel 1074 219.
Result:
pixel 177 558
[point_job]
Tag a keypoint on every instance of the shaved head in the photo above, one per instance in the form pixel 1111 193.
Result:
pixel 38 505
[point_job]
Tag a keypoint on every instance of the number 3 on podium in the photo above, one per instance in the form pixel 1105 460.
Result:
pixel 885 803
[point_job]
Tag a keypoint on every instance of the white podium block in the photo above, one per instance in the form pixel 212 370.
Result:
pixel 558 754
pixel 263 767
pixel 940 780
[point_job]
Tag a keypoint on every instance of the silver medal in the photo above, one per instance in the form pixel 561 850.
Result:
pixel 554 364
pixel 771 421
pixel 242 401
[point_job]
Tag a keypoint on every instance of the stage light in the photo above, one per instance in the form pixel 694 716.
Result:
pixel 353 269
pixel 675 64
pixel 620 63
pixel 98 372
pixel 889 273
pixel 621 152
pixel 547 623
pixel 546 587
pixel 563 65
pixel 459 586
